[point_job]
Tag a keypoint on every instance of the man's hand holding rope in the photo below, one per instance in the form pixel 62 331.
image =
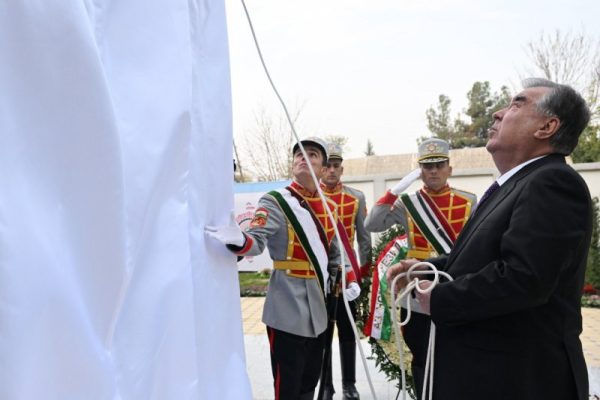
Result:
pixel 399 268
pixel 424 299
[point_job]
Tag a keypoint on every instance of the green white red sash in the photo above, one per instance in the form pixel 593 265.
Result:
pixel 379 324
pixel 430 221
pixel 349 251
pixel 306 231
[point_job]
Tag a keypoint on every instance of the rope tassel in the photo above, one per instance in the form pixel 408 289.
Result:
pixel 412 276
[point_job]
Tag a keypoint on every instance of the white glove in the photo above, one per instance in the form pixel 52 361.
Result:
pixel 352 291
pixel 229 234
pixel 406 181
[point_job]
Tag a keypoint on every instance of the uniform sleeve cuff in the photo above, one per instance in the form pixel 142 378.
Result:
pixel 350 277
pixel 241 250
pixel 388 198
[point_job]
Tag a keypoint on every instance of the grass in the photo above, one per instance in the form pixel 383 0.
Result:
pixel 254 284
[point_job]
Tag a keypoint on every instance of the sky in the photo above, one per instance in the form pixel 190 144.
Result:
pixel 368 70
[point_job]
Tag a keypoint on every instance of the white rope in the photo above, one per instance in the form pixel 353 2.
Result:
pixel 323 200
pixel 413 284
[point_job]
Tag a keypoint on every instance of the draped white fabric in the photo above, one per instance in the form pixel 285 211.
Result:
pixel 115 151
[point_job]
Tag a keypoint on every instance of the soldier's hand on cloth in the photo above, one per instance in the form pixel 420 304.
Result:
pixel 396 269
pixel 227 234
pixel 352 291
pixel 406 182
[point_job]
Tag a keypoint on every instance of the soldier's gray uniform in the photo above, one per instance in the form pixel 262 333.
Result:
pixel 383 216
pixel 456 206
pixel 293 304
pixel 363 237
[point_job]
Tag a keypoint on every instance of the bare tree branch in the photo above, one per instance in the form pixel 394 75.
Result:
pixel 572 59
pixel 268 146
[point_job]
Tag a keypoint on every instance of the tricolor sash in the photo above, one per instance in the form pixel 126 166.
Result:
pixel 379 324
pixel 349 250
pixel 430 221
pixel 303 224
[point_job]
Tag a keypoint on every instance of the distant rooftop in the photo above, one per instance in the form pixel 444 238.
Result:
pixel 466 158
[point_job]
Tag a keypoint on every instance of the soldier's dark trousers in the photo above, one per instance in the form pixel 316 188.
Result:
pixel 347 345
pixel 416 336
pixel 295 363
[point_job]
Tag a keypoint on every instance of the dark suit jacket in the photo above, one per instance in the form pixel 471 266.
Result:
pixel 508 326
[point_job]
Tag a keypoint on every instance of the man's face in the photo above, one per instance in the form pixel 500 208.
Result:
pixel 300 165
pixel 511 135
pixel 333 173
pixel 435 175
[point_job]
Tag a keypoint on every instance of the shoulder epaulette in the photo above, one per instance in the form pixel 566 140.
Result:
pixel 464 194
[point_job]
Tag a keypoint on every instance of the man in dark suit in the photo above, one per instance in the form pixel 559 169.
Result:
pixel 508 326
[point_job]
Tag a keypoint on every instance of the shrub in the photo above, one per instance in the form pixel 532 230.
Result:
pixel 592 271
pixel 591 301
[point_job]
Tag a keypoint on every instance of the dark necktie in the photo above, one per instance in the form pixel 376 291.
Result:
pixel 488 193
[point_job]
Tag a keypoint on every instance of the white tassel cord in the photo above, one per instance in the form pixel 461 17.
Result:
pixel 413 284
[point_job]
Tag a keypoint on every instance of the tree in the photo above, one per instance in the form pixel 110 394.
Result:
pixel 482 105
pixel 472 132
pixel 370 151
pixel 268 146
pixel 588 148
pixel 573 59
pixel 438 119
pixel 340 140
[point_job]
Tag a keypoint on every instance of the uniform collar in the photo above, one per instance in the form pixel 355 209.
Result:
pixel 445 189
pixel 336 189
pixel 302 191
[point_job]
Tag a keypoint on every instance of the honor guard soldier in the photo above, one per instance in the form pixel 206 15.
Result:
pixel 432 218
pixel 352 211
pixel 294 225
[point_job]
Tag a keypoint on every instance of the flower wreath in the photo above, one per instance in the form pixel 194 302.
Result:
pixel 383 352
